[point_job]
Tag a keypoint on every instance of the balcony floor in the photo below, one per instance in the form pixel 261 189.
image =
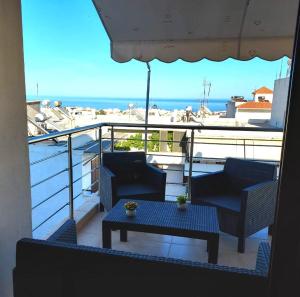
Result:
pixel 175 247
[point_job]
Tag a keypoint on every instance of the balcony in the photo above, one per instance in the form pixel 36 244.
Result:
pixel 173 246
pixel 65 179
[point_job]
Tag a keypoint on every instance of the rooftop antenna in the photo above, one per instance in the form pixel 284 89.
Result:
pixel 208 94
pixel 37 89
pixel 206 91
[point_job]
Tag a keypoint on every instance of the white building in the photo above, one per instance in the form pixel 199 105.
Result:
pixel 263 94
pixel 281 88
pixel 231 107
pixel 254 112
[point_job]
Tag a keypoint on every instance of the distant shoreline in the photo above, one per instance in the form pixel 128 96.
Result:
pixel 215 104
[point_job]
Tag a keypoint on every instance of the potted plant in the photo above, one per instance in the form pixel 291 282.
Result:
pixel 130 208
pixel 181 202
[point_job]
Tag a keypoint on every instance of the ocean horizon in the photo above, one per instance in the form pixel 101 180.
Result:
pixel 215 104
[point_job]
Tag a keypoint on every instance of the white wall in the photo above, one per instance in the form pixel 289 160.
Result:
pixel 257 150
pixel 246 115
pixel 281 88
pixel 268 97
pixel 15 206
pixel 258 145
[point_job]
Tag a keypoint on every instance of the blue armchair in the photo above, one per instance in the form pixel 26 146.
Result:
pixel 244 194
pixel 126 175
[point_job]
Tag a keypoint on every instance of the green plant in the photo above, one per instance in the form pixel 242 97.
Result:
pixel 153 142
pixel 122 146
pixel 170 140
pixel 130 205
pixel 136 141
pixel 101 112
pixel 181 199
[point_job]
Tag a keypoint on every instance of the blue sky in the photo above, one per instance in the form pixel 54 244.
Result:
pixel 68 53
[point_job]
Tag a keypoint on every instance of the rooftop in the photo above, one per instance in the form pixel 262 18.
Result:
pixel 263 90
pixel 255 105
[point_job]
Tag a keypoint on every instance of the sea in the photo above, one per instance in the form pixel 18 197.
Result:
pixel 122 103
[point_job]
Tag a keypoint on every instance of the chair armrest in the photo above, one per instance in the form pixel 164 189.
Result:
pixel 263 258
pixel 108 183
pixel 263 186
pixel 207 184
pixel 65 233
pixel 258 205
pixel 156 176
pixel 107 172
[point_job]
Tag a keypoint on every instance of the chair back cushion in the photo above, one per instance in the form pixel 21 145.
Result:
pixel 46 268
pixel 244 173
pixel 127 166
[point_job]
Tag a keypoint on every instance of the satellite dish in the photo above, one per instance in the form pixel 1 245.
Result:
pixel 46 103
pixel 57 103
pixel 40 117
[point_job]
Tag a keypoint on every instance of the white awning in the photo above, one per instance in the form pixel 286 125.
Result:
pixel 195 29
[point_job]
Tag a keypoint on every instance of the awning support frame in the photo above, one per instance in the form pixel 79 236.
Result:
pixel 147 103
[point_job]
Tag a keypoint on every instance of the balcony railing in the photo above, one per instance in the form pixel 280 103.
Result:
pixel 64 168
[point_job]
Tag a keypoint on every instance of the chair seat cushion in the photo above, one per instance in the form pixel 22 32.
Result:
pixel 135 189
pixel 230 202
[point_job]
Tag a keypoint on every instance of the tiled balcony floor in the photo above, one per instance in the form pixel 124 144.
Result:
pixel 175 247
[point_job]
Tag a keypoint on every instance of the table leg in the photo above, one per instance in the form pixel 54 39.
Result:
pixel 213 249
pixel 106 236
pixel 123 235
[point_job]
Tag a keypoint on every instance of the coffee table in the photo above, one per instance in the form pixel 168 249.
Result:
pixel 197 221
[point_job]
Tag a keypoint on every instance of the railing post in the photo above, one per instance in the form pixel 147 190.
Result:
pixel 244 149
pixel 146 140
pixel 191 163
pixel 147 106
pixel 70 171
pixel 101 207
pixel 112 139
pixel 100 144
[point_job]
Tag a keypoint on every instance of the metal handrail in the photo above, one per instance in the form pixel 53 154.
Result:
pixel 51 216
pixel 86 174
pixel 209 138
pixel 49 177
pixel 189 154
pixel 48 157
pixel 50 136
pixel 49 197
